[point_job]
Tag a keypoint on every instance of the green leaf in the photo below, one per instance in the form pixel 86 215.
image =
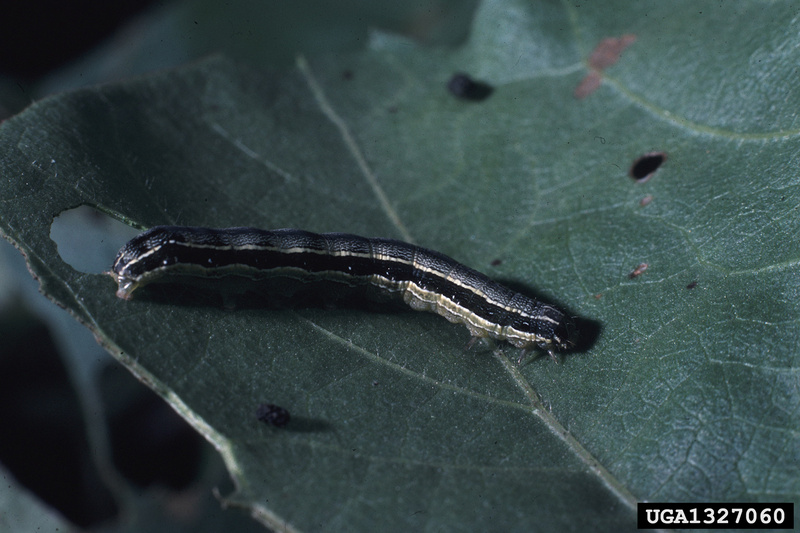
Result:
pixel 687 394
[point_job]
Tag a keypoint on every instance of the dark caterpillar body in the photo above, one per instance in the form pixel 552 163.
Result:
pixel 425 280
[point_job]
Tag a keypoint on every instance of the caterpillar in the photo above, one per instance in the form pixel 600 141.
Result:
pixel 424 279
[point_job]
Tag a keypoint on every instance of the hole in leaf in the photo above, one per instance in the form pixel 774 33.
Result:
pixel 464 87
pixel 644 167
pixel 87 239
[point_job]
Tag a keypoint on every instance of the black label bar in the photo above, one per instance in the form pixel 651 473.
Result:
pixel 716 515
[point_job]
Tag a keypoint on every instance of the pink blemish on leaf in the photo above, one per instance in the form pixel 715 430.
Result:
pixel 605 54
pixel 588 85
pixel 638 271
pixel 608 51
